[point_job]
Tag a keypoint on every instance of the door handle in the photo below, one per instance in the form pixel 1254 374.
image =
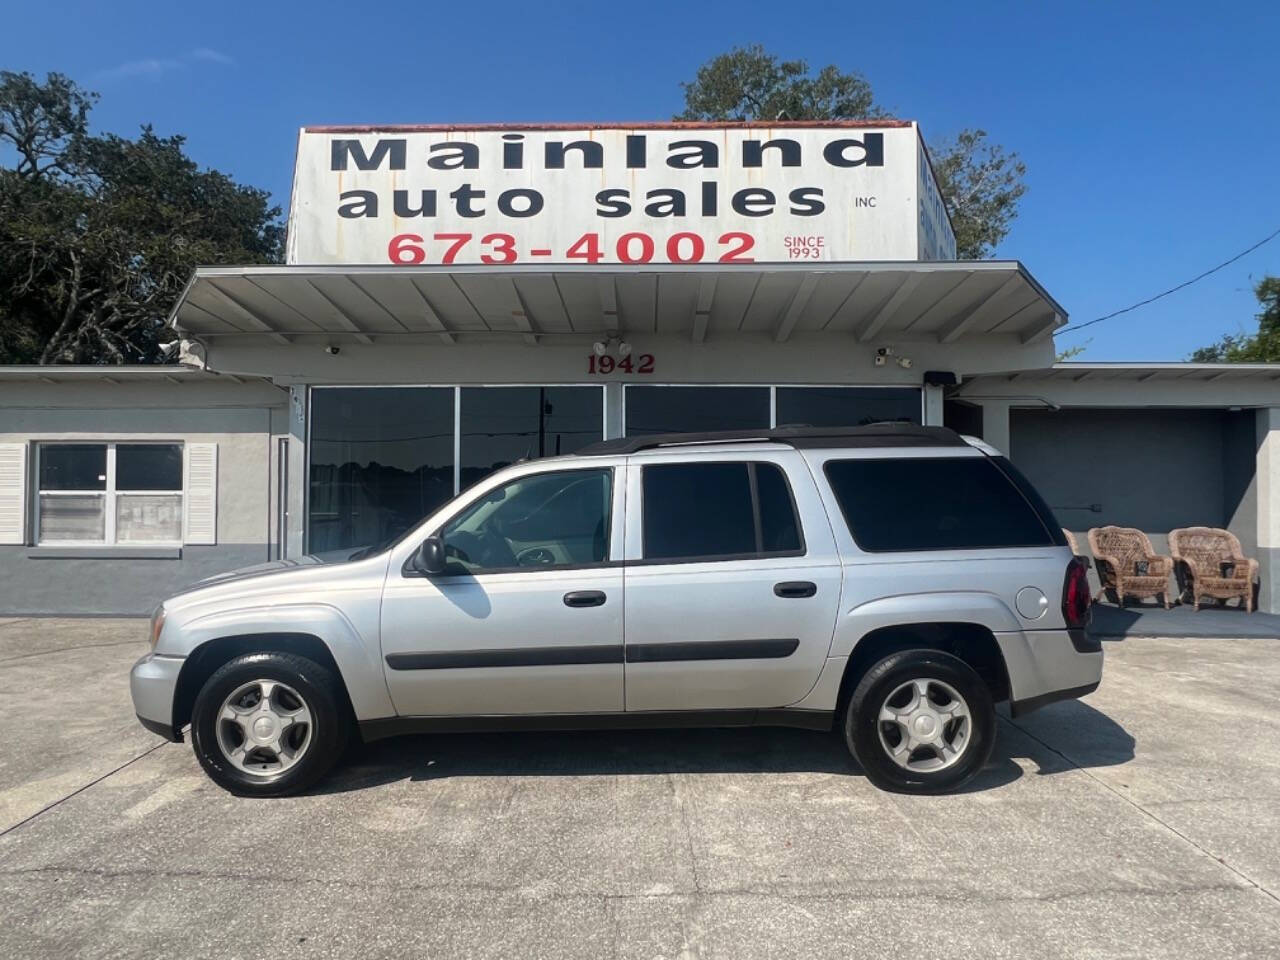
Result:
pixel 584 598
pixel 795 588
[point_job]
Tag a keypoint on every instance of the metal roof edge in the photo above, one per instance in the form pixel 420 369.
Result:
pixel 1160 365
pixel 607 125
pixel 779 266
pixel 133 371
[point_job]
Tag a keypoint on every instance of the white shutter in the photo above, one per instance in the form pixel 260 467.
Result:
pixel 202 493
pixel 13 493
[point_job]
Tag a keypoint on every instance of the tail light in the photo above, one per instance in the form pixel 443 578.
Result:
pixel 1075 593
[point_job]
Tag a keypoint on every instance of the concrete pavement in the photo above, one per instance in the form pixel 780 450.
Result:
pixel 1138 823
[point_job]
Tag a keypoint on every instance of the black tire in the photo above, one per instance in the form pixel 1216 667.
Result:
pixel 862 725
pixel 319 689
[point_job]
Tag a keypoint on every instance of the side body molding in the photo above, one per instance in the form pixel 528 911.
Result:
pixel 358 659
pixel 961 606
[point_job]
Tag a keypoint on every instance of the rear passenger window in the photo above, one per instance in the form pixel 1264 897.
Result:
pixel 933 504
pixel 699 511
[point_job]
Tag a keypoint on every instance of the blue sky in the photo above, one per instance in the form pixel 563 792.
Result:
pixel 1151 131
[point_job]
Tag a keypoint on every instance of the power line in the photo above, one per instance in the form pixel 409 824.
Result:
pixel 1186 283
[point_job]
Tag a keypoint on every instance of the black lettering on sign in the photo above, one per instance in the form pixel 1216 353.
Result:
pixel 463 197
pixel 513 151
pixel 342 151
pixel 664 203
pixel 869 151
pixel 530 202
pixel 354 204
pixel 454 156
pixel 806 201
pixel 688 154
pixel 426 206
pixel 613 203
pixel 753 152
pixel 592 154
pixel 754 202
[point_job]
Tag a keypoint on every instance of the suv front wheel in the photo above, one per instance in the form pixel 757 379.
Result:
pixel 920 721
pixel 269 724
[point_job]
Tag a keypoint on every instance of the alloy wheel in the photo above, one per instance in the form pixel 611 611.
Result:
pixel 924 725
pixel 264 728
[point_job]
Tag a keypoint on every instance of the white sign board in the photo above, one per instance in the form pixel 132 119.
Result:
pixel 611 194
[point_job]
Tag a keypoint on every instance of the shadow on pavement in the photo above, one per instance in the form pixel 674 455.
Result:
pixel 1111 622
pixel 706 751
pixel 1074 734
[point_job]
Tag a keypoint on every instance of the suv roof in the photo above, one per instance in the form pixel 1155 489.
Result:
pixel 871 435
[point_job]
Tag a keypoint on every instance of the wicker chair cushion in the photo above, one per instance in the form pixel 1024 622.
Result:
pixel 1206 549
pixel 1127 545
pixel 1146 586
pixel 1231 585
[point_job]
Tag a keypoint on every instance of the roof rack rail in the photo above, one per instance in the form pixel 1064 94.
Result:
pixel 887 434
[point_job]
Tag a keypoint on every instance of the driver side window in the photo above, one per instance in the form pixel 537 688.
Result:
pixel 540 521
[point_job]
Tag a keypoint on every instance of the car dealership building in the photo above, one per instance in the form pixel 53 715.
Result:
pixel 455 299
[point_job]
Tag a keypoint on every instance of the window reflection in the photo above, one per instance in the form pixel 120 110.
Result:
pixel 381 460
pixel 695 409
pixel 846 406
pixel 501 425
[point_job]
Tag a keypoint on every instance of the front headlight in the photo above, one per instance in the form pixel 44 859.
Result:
pixel 157 624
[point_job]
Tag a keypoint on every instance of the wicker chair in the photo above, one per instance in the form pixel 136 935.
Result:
pixel 1128 566
pixel 1211 564
pixel 1071 542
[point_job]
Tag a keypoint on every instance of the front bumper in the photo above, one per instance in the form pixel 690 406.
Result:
pixel 153 681
pixel 1048 665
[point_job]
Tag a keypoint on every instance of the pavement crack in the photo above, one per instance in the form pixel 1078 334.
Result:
pixel 688 833
pixel 768 893
pixel 79 790
pixel 82 646
pixel 1147 813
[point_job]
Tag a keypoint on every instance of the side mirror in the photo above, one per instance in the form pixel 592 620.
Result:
pixel 429 560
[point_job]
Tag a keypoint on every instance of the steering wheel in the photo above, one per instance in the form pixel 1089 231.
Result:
pixel 486 549
pixel 535 557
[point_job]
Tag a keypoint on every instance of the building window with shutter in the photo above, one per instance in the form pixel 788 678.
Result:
pixel 109 493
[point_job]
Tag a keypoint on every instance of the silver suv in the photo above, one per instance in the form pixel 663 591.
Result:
pixel 892 582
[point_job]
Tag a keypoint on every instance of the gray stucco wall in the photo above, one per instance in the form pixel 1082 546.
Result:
pixel 35 585
pixel 242 418
pixel 1151 469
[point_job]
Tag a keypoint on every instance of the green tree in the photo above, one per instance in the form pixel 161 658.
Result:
pixel 1260 347
pixel 980 181
pixel 99 233
pixel 1070 353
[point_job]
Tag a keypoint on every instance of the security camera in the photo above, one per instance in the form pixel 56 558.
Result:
pixel 332 351
pixel 904 363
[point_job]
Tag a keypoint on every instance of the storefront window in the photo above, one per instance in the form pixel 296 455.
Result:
pixel 846 406
pixel 695 409
pixel 381 460
pixel 501 425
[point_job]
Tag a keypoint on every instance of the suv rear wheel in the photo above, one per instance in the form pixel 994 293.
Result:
pixel 920 721
pixel 269 724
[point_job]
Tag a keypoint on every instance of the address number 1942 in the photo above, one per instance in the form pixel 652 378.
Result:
pixel 641 363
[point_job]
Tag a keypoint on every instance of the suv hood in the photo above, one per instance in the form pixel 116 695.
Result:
pixel 258 570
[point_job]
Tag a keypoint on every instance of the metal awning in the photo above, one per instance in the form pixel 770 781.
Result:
pixel 937 301
pixel 1133 373
pixel 55 373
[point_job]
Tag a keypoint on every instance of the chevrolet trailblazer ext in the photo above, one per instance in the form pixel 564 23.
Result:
pixel 889 581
